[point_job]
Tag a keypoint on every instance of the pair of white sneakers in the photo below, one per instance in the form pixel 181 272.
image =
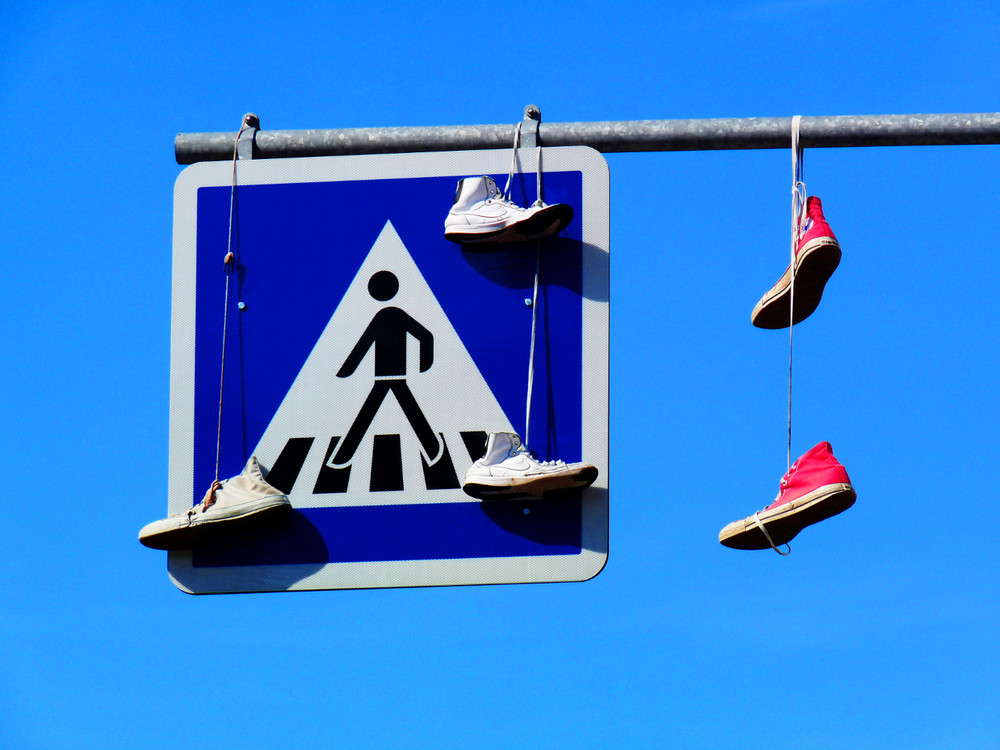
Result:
pixel 507 470
pixel 482 213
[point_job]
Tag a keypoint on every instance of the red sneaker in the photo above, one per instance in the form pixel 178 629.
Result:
pixel 816 258
pixel 814 489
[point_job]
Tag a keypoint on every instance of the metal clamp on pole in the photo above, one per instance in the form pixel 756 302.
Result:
pixel 248 137
pixel 529 126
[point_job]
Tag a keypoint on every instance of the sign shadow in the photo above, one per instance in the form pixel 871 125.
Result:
pixel 294 550
pixel 513 267
pixel 553 521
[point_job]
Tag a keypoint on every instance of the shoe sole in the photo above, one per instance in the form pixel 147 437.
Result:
pixel 786 521
pixel 550 220
pixel 239 522
pixel 514 488
pixel 814 266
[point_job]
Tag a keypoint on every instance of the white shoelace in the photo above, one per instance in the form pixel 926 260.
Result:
pixel 798 218
pixel 513 164
pixel 760 525
pixel 522 450
pixel 531 348
pixel 798 215
pixel 538 264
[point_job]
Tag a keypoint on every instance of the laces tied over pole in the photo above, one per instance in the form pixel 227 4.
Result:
pixel 538 259
pixel 798 215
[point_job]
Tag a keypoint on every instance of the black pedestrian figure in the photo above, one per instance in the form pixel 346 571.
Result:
pixel 387 333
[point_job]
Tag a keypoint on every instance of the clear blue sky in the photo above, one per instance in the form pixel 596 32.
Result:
pixel 878 630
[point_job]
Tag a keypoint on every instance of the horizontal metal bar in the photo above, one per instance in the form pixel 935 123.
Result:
pixel 612 137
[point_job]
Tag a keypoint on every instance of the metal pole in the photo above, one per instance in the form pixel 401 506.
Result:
pixel 611 137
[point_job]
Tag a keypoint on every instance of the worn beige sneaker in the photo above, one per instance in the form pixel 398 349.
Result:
pixel 230 509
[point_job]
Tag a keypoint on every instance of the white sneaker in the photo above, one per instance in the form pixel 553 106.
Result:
pixel 241 504
pixel 508 470
pixel 481 213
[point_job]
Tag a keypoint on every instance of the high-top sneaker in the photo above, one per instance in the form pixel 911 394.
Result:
pixel 816 258
pixel 482 214
pixel 814 488
pixel 507 470
pixel 231 508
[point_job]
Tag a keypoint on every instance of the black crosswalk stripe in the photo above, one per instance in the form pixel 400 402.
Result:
pixel 331 479
pixel 286 468
pixel 386 467
pixel 387 464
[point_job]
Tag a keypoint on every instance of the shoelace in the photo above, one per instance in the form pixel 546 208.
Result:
pixel 229 264
pixel 798 215
pixel 760 524
pixel 799 201
pixel 513 163
pixel 763 528
pixel 209 500
pixel 531 347
pixel 499 197
pixel 557 462
pixel 523 450
pixel 538 264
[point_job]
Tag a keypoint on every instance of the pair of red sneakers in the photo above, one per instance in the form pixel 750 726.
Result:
pixel 816 486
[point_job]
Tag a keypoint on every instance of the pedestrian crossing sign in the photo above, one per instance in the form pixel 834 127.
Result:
pixel 363 359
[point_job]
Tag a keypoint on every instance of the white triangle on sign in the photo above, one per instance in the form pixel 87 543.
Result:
pixel 452 394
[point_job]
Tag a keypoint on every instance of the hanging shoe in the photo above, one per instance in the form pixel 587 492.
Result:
pixel 482 214
pixel 816 258
pixel 815 488
pixel 507 470
pixel 239 505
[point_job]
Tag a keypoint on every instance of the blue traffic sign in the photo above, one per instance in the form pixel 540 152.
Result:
pixel 366 359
